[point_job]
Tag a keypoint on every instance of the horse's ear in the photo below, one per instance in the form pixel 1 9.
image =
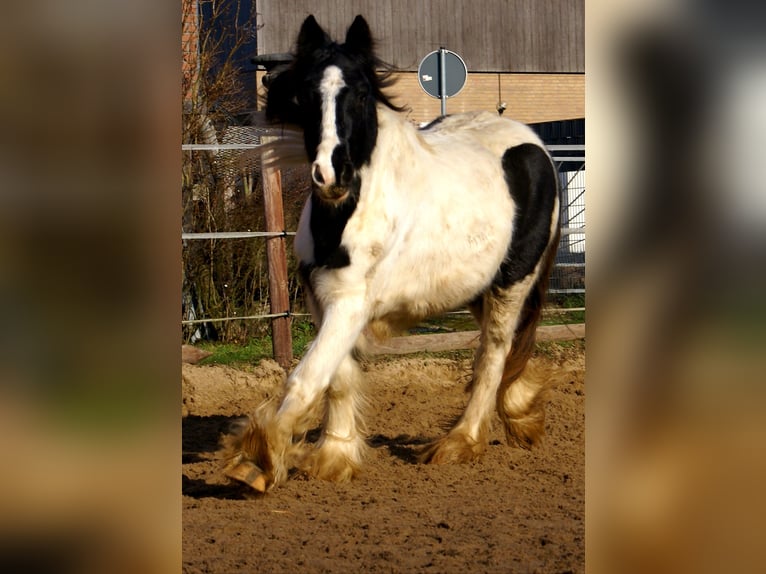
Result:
pixel 311 37
pixel 359 38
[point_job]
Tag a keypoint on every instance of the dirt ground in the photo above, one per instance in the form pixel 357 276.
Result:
pixel 512 511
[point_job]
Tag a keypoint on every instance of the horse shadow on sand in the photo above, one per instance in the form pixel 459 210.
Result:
pixel 201 441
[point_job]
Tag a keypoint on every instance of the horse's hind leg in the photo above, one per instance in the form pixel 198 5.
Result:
pixel 501 312
pixel 509 311
pixel 520 406
pixel 341 448
pixel 523 386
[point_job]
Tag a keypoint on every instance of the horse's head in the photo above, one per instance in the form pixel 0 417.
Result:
pixel 330 90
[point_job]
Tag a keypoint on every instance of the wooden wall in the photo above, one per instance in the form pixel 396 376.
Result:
pixel 490 35
pixel 530 98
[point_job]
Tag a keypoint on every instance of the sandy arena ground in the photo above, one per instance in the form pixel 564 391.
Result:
pixel 512 511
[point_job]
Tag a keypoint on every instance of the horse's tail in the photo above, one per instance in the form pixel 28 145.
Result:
pixel 521 395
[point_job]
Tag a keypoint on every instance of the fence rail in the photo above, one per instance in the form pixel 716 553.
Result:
pixel 254 234
pixel 235 234
pixel 219 147
pixel 292 314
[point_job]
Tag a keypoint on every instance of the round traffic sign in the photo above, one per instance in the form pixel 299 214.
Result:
pixel 455 73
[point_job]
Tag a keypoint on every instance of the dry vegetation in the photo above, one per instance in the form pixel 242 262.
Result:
pixel 221 191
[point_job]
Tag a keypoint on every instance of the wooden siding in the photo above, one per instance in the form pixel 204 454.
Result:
pixel 490 35
pixel 530 98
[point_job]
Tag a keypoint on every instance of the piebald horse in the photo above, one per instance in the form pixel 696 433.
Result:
pixel 403 223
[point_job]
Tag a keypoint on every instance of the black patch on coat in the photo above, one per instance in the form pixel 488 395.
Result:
pixel 327 224
pixel 533 184
pixel 305 270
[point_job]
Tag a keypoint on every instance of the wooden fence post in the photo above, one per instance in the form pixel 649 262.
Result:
pixel 276 254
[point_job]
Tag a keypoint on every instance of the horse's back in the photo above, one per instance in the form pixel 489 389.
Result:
pixel 491 131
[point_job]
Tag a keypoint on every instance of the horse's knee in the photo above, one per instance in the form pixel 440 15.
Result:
pixel 347 379
pixel 345 400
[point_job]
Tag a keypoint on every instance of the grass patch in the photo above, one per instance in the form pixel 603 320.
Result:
pixel 233 353
pixel 260 348
pixel 303 331
pixel 560 350
pixel 257 348
pixel 555 311
pixel 448 323
pixel 562 317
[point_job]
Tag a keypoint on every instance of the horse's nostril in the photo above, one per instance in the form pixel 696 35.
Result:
pixel 346 174
pixel 316 174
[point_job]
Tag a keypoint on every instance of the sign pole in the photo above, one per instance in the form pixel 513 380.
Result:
pixel 443 79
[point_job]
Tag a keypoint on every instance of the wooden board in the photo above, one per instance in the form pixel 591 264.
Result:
pixel 465 340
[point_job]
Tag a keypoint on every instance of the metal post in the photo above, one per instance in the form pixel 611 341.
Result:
pixel 443 79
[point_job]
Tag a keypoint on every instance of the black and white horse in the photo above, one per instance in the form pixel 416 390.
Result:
pixel 403 223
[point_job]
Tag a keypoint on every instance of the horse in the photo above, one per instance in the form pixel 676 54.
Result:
pixel 402 223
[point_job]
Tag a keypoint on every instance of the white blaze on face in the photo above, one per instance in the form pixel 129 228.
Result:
pixel 322 171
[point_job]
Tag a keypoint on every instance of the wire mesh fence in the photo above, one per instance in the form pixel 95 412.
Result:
pixel 568 276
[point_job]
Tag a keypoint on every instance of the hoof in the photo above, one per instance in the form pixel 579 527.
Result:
pixel 451 449
pixel 331 469
pixel 248 473
pixel 247 458
pixel 527 431
pixel 335 461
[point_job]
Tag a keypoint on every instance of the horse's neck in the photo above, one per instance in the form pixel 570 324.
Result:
pixel 395 134
pixel 398 141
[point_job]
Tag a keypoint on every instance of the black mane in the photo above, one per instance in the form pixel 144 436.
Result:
pixel 314 50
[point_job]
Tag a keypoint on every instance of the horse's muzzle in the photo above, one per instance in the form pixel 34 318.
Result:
pixel 332 182
pixel 325 174
pixel 331 193
pixel 322 175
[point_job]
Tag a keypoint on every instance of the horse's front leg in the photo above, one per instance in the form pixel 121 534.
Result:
pixel 341 449
pixel 264 452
